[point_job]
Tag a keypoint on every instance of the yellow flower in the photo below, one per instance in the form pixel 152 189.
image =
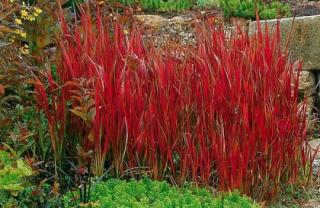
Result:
pixel 38 10
pixel 17 31
pixel 24 14
pixel 20 33
pixel 18 21
pixel 31 17
pixel 11 1
pixel 24 50
pixel 23 34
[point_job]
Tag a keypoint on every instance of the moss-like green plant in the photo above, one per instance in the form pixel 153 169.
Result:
pixel 246 9
pixel 160 5
pixel 275 10
pixel 207 3
pixel 147 193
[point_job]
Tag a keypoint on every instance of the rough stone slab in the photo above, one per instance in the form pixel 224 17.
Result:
pixel 304 40
pixel 161 30
pixel 307 83
pixel 312 204
pixel 310 117
pixel 314 145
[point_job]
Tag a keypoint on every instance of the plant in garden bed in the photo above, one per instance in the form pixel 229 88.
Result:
pixel 17 188
pixel 246 9
pixel 160 5
pixel 29 25
pixel 227 115
pixel 27 38
pixel 148 193
pixel 207 3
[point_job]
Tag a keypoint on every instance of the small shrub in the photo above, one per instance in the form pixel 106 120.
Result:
pixel 275 10
pixel 147 193
pixel 13 175
pixel 160 5
pixel 17 189
pixel 207 3
pixel 246 9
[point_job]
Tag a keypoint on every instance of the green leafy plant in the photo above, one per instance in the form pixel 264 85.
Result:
pixel 246 9
pixel 147 193
pixel 160 5
pixel 13 172
pixel 275 10
pixel 17 187
pixel 207 3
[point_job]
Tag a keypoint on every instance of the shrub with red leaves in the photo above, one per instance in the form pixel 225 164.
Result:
pixel 226 116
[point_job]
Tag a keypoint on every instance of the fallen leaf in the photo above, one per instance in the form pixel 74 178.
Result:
pixel 1 89
pixel 55 188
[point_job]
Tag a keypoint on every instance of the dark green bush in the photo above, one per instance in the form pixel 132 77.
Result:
pixel 148 193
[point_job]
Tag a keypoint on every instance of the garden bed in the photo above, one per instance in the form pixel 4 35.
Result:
pixel 183 98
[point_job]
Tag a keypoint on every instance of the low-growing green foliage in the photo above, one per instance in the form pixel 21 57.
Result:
pixel 12 173
pixel 12 177
pixel 207 3
pixel 17 188
pixel 160 5
pixel 148 193
pixel 246 9
pixel 274 10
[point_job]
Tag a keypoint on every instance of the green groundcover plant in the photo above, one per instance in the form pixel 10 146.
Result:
pixel 17 189
pixel 156 194
pixel 160 5
pixel 13 173
pixel 246 9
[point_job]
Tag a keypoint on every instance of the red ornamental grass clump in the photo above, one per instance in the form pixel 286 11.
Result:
pixel 259 140
pixel 225 116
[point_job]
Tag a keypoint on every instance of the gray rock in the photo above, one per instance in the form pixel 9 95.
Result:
pixel 304 40
pixel 310 112
pixel 314 144
pixel 307 90
pixel 307 83
pixel 312 204
pixel 161 30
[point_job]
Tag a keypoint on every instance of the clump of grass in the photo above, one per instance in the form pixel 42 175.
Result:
pixel 227 115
